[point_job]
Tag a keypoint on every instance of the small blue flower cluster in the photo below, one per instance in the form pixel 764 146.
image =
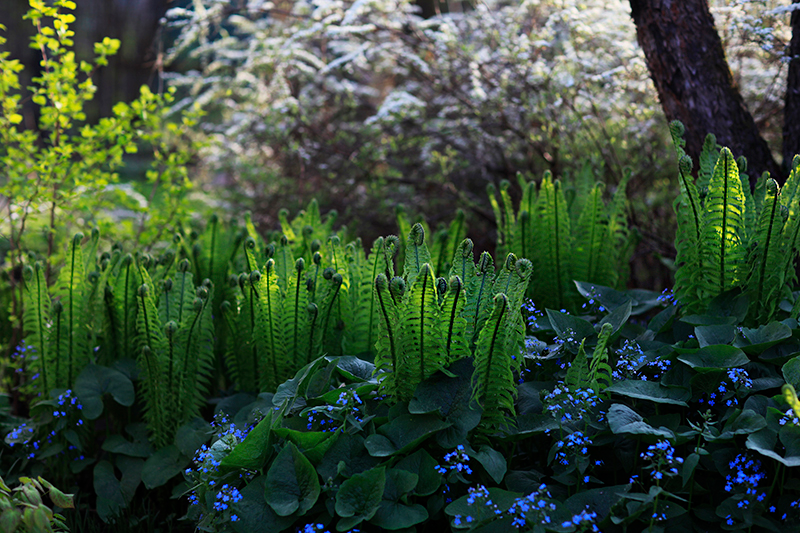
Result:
pixel 583 519
pixel 456 461
pixel 631 359
pixel 667 297
pixel 632 364
pixel 574 444
pixel 478 495
pixel 747 475
pixel 320 418
pixel 533 314
pixel 67 401
pixel 570 406
pixel 789 417
pixel 740 378
pixel 22 352
pixel 20 435
pixel 569 340
pixel 332 417
pixel 313 528
pixel 532 508
pixel 661 457
pixel 591 302
pixel 225 496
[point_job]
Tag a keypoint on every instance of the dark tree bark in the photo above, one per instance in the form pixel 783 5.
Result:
pixel 791 110
pixel 687 64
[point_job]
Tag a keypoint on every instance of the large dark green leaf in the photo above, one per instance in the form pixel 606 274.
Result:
pixel 764 443
pixel 605 296
pixel 403 433
pixel 599 500
pixel 714 357
pixel 503 499
pixel 714 334
pixel 743 423
pixel 95 381
pixel 347 455
pixel 570 328
pixel 354 369
pixel 292 483
pixel 360 497
pixel 450 397
pixel 617 318
pixel 162 466
pixel 254 451
pixel 757 340
pixel 791 372
pixel 255 515
pixel 651 390
pixel 423 465
pixel 192 435
pixel 622 419
pixel 491 460
pixel 109 492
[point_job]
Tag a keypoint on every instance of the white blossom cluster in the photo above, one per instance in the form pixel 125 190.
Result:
pixel 367 91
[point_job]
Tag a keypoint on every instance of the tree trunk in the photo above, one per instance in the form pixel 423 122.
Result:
pixel 791 110
pixel 687 64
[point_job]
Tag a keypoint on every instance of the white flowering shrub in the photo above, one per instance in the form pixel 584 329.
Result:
pixel 346 97
pixel 364 102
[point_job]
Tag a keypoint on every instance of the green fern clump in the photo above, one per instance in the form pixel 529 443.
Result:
pixel 579 238
pixel 729 239
pixel 427 324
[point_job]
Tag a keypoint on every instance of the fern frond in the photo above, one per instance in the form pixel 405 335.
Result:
pixel 249 364
pixel 614 269
pixel 790 205
pixel 479 295
pixel 332 309
pixel 456 233
pixel 284 262
pixel 452 323
pixel 578 374
pixel 721 247
pixel 688 260
pixel 295 317
pixel 768 258
pixel 553 245
pixel 493 384
pixel 676 131
pixel 90 254
pixel 194 358
pixel 152 361
pixel 362 330
pixel 387 345
pixel 35 321
pixel 416 253
pixel 751 218
pixel 709 155
pixel 421 350
pixel 269 332
pixel 71 291
pixel 463 262
pixel 503 237
pixel 125 307
pixel 176 302
pixel 600 373
pixel 590 239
